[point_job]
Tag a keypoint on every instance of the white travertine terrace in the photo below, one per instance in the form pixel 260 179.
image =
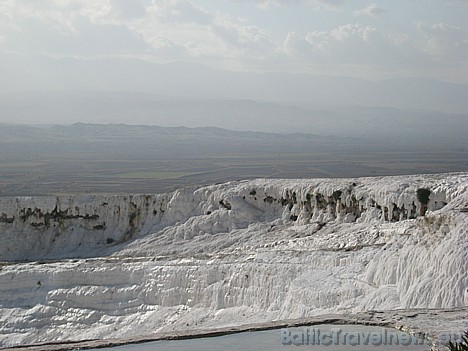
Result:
pixel 86 267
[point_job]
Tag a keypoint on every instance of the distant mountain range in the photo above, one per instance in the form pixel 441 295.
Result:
pixel 194 81
pixel 415 126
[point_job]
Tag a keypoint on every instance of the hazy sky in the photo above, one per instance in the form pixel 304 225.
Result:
pixel 367 39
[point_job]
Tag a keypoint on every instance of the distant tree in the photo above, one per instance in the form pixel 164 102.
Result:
pixel 423 195
pixel 423 198
pixel 337 195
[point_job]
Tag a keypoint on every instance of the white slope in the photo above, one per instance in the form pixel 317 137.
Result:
pixel 229 254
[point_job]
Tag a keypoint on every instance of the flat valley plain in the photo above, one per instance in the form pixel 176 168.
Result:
pixel 120 159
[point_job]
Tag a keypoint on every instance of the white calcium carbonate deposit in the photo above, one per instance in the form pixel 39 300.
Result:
pixel 86 267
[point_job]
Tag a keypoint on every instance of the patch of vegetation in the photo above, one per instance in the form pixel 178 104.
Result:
pixel 290 200
pixel 337 195
pixel 253 192
pixel 320 200
pixel 294 198
pixel 462 345
pixel 423 195
pixel 5 219
pixel 110 240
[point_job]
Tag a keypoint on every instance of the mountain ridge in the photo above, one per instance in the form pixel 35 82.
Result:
pixel 185 80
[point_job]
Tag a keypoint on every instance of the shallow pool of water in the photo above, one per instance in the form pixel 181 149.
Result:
pixel 319 337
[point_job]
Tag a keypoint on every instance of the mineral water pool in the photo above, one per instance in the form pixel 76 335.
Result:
pixel 318 338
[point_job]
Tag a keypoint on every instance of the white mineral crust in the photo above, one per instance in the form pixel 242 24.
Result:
pixel 86 267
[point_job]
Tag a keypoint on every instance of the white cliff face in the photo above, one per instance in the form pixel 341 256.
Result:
pixel 35 228
pixel 229 254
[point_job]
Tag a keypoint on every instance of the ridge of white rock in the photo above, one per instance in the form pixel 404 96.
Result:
pixel 229 254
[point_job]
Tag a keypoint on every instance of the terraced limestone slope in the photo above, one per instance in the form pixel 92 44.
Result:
pixel 86 267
